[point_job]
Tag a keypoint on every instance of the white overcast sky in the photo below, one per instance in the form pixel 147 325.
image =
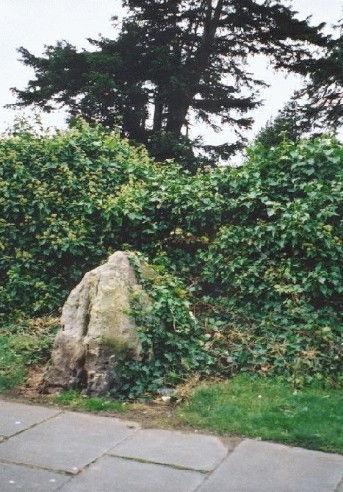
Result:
pixel 35 23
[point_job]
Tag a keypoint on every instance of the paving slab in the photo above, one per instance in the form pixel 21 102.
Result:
pixel 266 467
pixel 16 417
pixel 113 474
pixel 20 477
pixel 193 451
pixel 67 442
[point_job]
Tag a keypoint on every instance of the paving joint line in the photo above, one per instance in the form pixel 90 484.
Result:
pixel 39 467
pixel 229 453
pixel 168 465
pixel 105 453
pixel 32 426
pixel 338 486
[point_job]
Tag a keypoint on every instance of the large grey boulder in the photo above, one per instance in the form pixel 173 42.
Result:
pixel 96 326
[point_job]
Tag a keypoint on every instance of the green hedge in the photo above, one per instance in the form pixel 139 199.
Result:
pixel 59 210
pixel 69 199
pixel 275 267
pixel 259 247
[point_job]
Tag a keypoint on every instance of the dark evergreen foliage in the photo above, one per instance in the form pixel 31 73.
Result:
pixel 173 62
pixel 289 124
pixel 325 91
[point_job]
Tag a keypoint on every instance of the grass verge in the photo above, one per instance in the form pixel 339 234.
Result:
pixel 25 343
pixel 77 401
pixel 261 408
pixel 269 409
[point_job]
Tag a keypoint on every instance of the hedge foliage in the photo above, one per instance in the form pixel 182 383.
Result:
pixel 275 267
pixel 258 248
pixel 64 204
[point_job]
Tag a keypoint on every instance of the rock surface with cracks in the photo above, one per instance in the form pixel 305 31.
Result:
pixel 96 326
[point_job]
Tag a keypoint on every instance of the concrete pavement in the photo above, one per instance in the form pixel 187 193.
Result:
pixel 45 449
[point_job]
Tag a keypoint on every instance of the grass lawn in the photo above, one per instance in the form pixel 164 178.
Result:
pixel 77 401
pixel 269 409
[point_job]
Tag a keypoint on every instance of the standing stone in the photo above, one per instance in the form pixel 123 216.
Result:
pixel 97 326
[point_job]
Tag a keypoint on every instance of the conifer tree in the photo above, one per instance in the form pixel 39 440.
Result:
pixel 323 95
pixel 172 63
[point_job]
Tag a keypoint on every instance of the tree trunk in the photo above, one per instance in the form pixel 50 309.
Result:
pixel 177 115
pixel 193 69
pixel 158 113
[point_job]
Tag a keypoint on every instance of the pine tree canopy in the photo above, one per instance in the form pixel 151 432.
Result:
pixel 174 62
pixel 324 92
pixel 288 124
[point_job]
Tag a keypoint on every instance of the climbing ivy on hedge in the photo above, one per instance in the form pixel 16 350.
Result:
pixel 258 248
pixel 173 345
pixel 276 264
pixel 68 199
pixel 65 201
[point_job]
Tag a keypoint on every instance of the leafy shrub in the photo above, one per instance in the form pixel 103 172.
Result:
pixel 276 264
pixel 60 205
pixel 69 199
pixel 172 343
pixel 259 248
